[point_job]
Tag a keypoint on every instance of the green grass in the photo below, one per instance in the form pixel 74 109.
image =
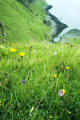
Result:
pixel 40 91
pixel 20 23
pixel 38 98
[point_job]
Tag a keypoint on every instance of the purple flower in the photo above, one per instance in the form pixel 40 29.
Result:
pixel 61 93
pixel 24 81
pixel 52 113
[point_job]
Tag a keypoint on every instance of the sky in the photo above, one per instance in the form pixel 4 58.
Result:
pixel 68 11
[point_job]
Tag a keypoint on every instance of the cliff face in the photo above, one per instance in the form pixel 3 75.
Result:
pixel 26 2
pixel 56 25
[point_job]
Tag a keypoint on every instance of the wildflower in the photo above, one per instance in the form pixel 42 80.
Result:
pixel 55 53
pixel 69 112
pixel 62 92
pixel 22 54
pixel 24 81
pixel 34 51
pixel 26 44
pixel 13 50
pixel 2 46
pixel 32 109
pixel 50 42
pixel 52 113
pixel 0 84
pixel 67 67
pixel 54 75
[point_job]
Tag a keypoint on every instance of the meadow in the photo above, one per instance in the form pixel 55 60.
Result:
pixel 39 81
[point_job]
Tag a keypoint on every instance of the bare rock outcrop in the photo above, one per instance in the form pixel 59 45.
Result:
pixel 2 29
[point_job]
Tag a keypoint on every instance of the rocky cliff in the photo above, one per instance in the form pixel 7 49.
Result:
pixel 56 25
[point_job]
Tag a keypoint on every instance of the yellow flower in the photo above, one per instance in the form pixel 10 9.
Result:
pixel 64 91
pixel 22 54
pixel 13 50
pixel 54 75
pixel 69 112
pixel 67 67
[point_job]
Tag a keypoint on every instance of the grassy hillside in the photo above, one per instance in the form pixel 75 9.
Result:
pixel 38 80
pixel 20 23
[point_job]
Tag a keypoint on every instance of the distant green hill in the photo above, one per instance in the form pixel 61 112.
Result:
pixel 72 36
pixel 23 23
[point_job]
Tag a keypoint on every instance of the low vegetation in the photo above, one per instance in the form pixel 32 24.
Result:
pixel 31 77
pixel 39 80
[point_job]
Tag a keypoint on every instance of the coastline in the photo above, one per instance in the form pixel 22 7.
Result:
pixel 55 24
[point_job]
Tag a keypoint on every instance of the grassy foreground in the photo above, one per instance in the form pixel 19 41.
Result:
pixel 30 85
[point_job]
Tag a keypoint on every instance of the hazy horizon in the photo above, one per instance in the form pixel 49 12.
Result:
pixel 68 11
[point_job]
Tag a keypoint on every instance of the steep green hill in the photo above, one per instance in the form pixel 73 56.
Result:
pixel 23 23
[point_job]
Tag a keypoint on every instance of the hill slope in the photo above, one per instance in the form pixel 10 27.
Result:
pixel 23 23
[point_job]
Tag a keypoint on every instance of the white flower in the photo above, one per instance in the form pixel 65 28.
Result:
pixel 32 109
pixel 2 47
pixel 55 53
pixel 50 42
pixel 61 93
pixel 26 45
pixel 34 51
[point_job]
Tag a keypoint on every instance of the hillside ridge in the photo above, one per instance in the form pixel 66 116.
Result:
pixel 21 23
